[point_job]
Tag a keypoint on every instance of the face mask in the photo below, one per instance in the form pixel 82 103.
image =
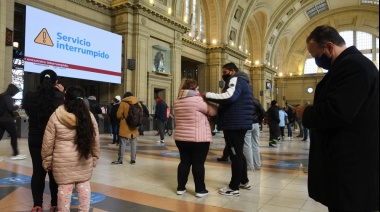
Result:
pixel 225 77
pixel 323 61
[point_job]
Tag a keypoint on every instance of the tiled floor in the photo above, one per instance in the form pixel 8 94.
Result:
pixel 150 185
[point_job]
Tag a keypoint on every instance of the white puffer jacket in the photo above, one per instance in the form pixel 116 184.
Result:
pixel 59 152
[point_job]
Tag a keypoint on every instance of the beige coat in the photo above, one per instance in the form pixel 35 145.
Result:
pixel 59 152
pixel 125 130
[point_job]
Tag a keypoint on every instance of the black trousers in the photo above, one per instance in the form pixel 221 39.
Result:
pixel 335 210
pixel 9 126
pixel 39 174
pixel 234 144
pixel 274 131
pixel 192 154
pixel 226 153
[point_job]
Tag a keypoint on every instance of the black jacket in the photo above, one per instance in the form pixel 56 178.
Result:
pixel 31 104
pixel 344 136
pixel 273 115
pixel 258 111
pixel 7 102
pixel 95 109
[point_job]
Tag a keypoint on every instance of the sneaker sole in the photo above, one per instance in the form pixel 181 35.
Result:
pixel 247 188
pixel 181 192
pixel 229 194
pixel 22 158
pixel 201 195
pixel 117 164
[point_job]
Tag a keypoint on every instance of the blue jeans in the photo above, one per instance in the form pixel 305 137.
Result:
pixel 115 133
pixel 305 133
pixel 290 132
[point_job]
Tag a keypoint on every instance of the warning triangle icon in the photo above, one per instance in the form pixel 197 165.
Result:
pixel 44 38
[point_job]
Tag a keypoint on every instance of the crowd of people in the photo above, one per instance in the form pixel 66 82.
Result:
pixel 342 125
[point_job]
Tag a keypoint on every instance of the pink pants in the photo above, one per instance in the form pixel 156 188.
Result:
pixel 65 192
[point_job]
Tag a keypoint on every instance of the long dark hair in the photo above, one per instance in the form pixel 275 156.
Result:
pixel 85 130
pixel 46 96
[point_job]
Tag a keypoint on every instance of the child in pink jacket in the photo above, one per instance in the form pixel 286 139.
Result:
pixel 192 136
pixel 70 149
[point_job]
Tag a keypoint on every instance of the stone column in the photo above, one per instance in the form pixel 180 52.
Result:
pixel 6 52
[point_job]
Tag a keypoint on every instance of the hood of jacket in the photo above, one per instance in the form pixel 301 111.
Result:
pixel 131 100
pixel 66 118
pixel 187 93
pixel 12 90
pixel 242 75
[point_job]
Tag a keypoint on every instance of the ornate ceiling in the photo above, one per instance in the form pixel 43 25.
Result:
pixel 273 31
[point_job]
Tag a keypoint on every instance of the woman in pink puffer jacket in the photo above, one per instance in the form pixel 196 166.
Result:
pixel 192 136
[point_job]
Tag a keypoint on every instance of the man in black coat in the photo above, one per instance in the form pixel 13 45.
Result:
pixel 273 121
pixel 344 124
pixel 7 120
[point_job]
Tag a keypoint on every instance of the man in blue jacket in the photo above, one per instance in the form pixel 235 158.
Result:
pixel 234 118
pixel 161 117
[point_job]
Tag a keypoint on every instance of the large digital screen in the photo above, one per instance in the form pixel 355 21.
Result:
pixel 70 48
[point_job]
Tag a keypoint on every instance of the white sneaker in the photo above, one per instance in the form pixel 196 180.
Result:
pixel 229 192
pixel 246 186
pixel 161 141
pixel 18 157
pixel 181 192
pixel 2 159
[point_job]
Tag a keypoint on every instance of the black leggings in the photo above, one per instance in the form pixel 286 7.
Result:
pixel 193 154
pixel 39 174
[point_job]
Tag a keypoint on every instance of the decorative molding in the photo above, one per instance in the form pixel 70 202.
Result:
pixel 291 11
pixel 100 6
pixel 160 17
pixel 227 50
pixel 304 76
pixel 194 44
pixel 161 77
pixel 238 13
pixel 60 11
pixel 233 33
pixel 279 25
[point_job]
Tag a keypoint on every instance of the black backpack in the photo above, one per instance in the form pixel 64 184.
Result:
pixel 135 115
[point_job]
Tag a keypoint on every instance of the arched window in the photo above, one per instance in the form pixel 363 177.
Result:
pixel 366 43
pixel 193 16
